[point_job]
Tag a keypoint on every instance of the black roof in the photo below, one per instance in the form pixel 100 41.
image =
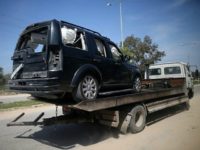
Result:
pixel 86 29
pixel 70 24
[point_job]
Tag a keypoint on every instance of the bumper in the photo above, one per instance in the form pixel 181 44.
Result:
pixel 36 86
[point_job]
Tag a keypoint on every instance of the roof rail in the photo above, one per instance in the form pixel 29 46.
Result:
pixel 106 38
pixel 97 33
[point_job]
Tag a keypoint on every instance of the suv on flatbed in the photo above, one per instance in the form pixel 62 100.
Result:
pixel 55 57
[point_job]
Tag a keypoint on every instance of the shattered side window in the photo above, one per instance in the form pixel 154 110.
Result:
pixel 101 51
pixel 68 35
pixel 73 38
pixel 115 53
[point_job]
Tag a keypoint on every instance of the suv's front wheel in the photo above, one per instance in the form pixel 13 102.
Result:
pixel 87 89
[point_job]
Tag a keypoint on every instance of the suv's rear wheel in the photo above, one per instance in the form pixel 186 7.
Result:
pixel 137 85
pixel 87 89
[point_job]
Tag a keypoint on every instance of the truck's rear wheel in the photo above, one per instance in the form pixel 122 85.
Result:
pixel 187 105
pixel 87 89
pixel 190 93
pixel 138 119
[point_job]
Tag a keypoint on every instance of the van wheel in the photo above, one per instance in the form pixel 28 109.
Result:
pixel 87 89
pixel 138 119
pixel 137 84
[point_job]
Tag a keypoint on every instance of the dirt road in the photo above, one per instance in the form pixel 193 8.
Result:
pixel 180 131
pixel 13 98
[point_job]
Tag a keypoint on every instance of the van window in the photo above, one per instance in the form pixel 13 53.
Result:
pixel 172 70
pixel 155 71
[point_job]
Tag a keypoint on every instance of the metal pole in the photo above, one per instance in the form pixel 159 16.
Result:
pixel 121 23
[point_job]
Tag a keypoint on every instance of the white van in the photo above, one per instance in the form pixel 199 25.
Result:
pixel 170 71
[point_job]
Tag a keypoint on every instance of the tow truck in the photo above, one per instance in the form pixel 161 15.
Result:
pixel 55 57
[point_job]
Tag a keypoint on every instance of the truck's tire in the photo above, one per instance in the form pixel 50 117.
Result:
pixel 137 84
pixel 187 105
pixel 138 119
pixel 87 89
pixel 190 93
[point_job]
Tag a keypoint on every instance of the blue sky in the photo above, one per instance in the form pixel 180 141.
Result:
pixel 172 24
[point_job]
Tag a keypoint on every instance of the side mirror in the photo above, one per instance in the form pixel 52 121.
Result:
pixel 38 38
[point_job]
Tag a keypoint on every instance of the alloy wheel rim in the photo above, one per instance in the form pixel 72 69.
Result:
pixel 137 84
pixel 89 87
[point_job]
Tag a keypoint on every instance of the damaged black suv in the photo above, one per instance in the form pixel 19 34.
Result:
pixel 55 57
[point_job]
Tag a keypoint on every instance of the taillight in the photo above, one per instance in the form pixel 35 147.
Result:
pixel 55 61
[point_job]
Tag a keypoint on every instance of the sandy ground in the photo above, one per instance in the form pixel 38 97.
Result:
pixel 179 131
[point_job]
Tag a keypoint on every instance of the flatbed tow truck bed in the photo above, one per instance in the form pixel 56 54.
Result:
pixel 146 95
pixel 116 111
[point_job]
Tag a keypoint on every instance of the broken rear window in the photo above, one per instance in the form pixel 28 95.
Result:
pixel 34 41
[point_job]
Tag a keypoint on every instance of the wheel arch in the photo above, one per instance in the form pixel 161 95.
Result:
pixel 137 74
pixel 83 70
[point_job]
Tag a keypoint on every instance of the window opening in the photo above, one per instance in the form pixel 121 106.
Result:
pixel 73 38
pixel 101 51
pixel 115 52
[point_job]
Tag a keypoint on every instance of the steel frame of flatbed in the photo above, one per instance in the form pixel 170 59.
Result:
pixel 116 101
pixel 166 98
